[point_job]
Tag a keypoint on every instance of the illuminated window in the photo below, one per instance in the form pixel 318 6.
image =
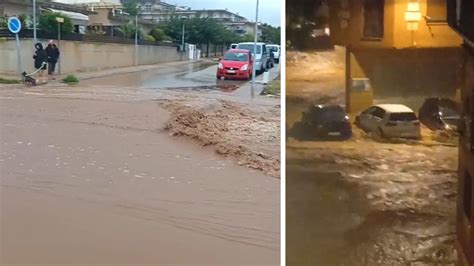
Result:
pixel 373 19
pixel 437 10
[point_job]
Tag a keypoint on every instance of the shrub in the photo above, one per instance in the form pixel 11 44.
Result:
pixel 149 38
pixel 71 79
pixel 48 23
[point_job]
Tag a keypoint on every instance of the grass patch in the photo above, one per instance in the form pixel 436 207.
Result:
pixel 70 79
pixel 273 88
pixel 9 81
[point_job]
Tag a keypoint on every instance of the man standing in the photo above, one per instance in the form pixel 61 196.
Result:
pixel 53 56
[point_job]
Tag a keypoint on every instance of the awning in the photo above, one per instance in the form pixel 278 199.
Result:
pixel 76 18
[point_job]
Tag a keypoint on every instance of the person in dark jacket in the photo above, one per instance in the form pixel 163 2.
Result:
pixel 41 59
pixel 53 56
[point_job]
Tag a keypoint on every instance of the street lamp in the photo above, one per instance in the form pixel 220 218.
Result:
pixel 183 33
pixel 136 39
pixel 254 71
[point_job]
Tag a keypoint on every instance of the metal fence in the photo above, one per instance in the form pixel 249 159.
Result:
pixel 28 34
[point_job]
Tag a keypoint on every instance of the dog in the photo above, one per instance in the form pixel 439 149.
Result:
pixel 28 80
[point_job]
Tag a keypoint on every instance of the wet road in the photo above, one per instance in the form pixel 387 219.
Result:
pixel 196 76
pixel 88 176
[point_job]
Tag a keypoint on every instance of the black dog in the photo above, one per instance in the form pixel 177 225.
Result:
pixel 28 80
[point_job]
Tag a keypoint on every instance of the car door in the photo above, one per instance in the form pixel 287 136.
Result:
pixel 264 56
pixel 377 119
pixel 365 118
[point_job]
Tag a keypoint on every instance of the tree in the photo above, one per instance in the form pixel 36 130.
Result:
pixel 198 31
pixel 159 34
pixel 128 30
pixel 270 34
pixel 48 23
pixel 131 7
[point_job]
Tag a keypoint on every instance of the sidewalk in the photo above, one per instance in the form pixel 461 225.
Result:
pixel 112 71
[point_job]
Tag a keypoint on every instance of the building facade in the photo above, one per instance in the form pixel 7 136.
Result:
pixel 393 49
pixel 461 19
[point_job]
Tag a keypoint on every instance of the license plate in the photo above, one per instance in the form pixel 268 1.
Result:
pixel 231 71
pixel 334 134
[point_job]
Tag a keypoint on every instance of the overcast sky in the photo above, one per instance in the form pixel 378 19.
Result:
pixel 269 9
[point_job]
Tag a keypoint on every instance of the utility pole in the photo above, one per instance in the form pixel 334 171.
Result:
pixel 182 37
pixel 254 70
pixel 34 22
pixel 136 39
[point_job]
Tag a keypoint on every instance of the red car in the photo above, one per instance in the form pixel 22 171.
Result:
pixel 236 64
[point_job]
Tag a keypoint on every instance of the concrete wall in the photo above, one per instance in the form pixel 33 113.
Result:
pixel 80 56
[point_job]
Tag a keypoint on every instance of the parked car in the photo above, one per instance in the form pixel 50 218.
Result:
pixel 261 55
pixel 236 64
pixel 271 61
pixel 324 122
pixel 440 114
pixel 275 50
pixel 390 120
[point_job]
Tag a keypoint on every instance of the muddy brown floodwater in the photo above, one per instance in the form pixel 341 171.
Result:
pixel 363 201
pixel 89 175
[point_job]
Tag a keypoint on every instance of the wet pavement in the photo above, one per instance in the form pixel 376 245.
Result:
pixel 363 201
pixel 90 176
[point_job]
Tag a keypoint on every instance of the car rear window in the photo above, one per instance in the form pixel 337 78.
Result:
pixel 250 47
pixel 231 56
pixel 403 117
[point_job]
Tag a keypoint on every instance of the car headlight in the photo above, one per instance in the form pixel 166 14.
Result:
pixel 221 66
pixel 244 67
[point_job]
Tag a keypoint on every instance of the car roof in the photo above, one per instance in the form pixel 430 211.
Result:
pixel 239 51
pixel 329 107
pixel 258 43
pixel 395 108
pixel 273 45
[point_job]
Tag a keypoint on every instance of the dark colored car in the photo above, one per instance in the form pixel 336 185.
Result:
pixel 324 122
pixel 440 114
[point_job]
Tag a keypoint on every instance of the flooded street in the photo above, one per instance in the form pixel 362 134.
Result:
pixel 376 202
pixel 90 175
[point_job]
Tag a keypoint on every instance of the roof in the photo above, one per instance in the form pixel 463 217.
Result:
pixel 252 43
pixel 239 50
pixel 72 15
pixel 395 108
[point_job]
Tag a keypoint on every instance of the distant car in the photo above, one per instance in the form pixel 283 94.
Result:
pixel 261 55
pixel 233 46
pixel 236 64
pixel 324 122
pixel 440 114
pixel 390 120
pixel 275 50
pixel 271 61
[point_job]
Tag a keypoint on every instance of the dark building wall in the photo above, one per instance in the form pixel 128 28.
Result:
pixel 465 217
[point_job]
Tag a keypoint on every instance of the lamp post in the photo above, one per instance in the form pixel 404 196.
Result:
pixel 136 39
pixel 183 33
pixel 34 21
pixel 59 20
pixel 254 70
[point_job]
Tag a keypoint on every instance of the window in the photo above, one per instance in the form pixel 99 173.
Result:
pixel 437 10
pixel 379 112
pixel 403 117
pixel 148 8
pixel 467 196
pixel 373 19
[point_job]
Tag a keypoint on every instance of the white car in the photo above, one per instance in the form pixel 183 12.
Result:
pixel 390 120
pixel 275 49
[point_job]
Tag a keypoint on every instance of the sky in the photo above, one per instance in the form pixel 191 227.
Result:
pixel 269 11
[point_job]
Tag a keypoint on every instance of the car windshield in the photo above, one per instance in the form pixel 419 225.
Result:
pixel 273 48
pixel 250 47
pixel 328 114
pixel 241 57
pixel 408 116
